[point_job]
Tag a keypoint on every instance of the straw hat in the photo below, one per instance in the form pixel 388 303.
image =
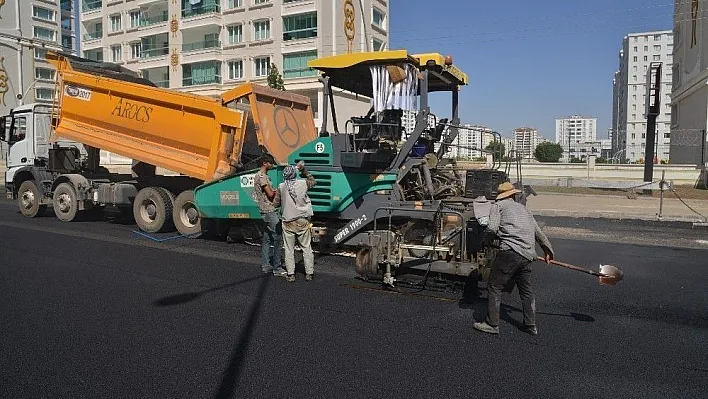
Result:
pixel 506 189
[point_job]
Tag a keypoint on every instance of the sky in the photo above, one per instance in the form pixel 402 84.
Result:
pixel 528 61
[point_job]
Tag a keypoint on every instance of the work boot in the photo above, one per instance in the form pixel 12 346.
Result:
pixel 290 278
pixel 308 277
pixel 484 327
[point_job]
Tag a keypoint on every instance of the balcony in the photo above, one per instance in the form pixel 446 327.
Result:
pixel 150 21
pixel 91 5
pixel 201 80
pixel 93 35
pixel 201 45
pixel 66 5
pixel 196 11
pixel 147 53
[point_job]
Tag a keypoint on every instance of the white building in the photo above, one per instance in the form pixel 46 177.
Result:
pixel 28 28
pixel 639 50
pixel 573 130
pixel 689 113
pixel 208 46
pixel 525 141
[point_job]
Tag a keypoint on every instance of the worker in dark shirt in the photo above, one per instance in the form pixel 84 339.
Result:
pixel 518 232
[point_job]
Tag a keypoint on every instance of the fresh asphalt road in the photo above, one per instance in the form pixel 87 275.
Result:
pixel 92 309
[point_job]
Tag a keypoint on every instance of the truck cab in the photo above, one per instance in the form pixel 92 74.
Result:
pixel 27 132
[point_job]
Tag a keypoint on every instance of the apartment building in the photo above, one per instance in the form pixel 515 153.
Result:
pixel 525 141
pixel 209 46
pixel 689 97
pixel 28 28
pixel 630 102
pixel 572 131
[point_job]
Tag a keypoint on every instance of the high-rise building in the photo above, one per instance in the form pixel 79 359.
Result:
pixel 639 52
pixel 574 130
pixel 471 140
pixel 28 28
pixel 208 46
pixel 525 141
pixel 689 106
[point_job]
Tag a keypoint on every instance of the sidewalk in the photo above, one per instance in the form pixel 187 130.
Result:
pixel 616 207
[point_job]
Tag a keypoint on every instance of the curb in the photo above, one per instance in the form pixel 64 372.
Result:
pixel 618 216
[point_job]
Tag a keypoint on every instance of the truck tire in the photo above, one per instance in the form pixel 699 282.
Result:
pixel 152 209
pixel 65 203
pixel 186 216
pixel 28 199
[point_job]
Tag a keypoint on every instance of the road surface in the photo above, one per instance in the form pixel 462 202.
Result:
pixel 92 309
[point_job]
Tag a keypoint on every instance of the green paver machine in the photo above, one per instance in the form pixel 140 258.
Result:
pixel 394 201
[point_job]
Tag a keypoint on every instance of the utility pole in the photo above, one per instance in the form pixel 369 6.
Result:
pixel 653 109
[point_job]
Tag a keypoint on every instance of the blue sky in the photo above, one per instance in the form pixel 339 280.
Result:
pixel 529 61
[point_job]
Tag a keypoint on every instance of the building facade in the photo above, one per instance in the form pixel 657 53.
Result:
pixel 209 46
pixel 28 28
pixel 525 141
pixel 574 130
pixel 689 97
pixel 639 52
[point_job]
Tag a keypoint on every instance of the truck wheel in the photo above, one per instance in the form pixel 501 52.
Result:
pixel 29 200
pixel 186 215
pixel 152 209
pixel 65 203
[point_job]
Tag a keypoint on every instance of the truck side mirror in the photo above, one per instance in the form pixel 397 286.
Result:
pixel 2 128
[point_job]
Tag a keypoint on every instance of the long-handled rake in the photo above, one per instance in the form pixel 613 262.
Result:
pixel 608 274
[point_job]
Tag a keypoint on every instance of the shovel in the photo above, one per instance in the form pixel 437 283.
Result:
pixel 608 274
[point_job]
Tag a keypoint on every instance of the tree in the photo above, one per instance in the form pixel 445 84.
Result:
pixel 548 152
pixel 275 80
pixel 497 149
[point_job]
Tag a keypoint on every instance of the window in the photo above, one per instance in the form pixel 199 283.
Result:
pixel 115 23
pixel 670 46
pixel 261 66
pixel 657 47
pixel 377 45
pixel 645 58
pixel 201 73
pixel 44 73
pixel 45 34
pixel 634 77
pixel 379 18
pixel 235 34
pixel 295 64
pixel 657 37
pixel 634 107
pixel 235 3
pixel 135 50
pixel 235 69
pixel 634 58
pixel 646 48
pixel 667 135
pixel 134 19
pixel 43 93
pixel 40 53
pixel 66 42
pixel 635 49
pixel 261 30
pixel 635 39
pixel 116 53
pixel 301 26
pixel 43 13
pixel 656 58
pixel 260 1
pixel 634 136
pixel 634 68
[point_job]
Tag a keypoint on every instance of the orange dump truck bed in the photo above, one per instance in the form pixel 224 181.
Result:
pixel 197 136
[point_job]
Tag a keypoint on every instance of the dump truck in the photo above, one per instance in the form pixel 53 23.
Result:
pixel 54 149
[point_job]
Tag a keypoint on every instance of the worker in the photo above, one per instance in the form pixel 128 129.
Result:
pixel 264 194
pixel 518 233
pixel 297 211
